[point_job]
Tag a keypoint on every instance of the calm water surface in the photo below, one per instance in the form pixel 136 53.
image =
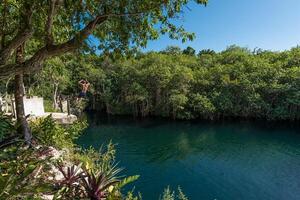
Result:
pixel 223 161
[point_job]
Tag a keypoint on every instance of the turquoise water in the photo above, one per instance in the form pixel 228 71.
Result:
pixel 224 161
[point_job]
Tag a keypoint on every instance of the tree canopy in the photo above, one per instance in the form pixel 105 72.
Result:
pixel 54 27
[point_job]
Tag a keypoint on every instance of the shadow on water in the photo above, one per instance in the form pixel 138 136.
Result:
pixel 222 160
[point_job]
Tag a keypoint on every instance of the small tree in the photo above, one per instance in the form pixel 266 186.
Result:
pixel 173 50
pixel 55 74
pixel 189 51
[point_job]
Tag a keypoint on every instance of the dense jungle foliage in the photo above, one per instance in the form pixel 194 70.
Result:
pixel 236 82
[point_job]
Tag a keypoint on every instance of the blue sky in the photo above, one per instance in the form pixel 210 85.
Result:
pixel 268 24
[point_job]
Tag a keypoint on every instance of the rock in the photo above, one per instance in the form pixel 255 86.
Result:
pixel 47 197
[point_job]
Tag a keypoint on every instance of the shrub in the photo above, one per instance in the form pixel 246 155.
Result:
pixel 130 196
pixel 21 175
pixel 49 106
pixel 6 126
pixel 168 194
pixel 49 133
pixel 103 159
pixel 98 185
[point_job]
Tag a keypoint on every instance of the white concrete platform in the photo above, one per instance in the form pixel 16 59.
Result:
pixel 34 107
pixel 62 118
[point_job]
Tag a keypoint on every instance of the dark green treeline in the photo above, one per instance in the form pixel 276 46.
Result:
pixel 180 84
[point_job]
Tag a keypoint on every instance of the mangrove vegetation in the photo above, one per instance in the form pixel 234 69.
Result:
pixel 175 83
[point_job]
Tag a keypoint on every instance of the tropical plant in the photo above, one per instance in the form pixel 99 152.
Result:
pixel 181 195
pixel 69 186
pixel 168 194
pixel 98 185
pixel 131 196
pixel 71 174
pixel 49 133
pixel 21 174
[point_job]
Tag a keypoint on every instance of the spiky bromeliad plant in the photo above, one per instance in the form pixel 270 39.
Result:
pixel 70 184
pixel 90 183
pixel 71 175
pixel 98 184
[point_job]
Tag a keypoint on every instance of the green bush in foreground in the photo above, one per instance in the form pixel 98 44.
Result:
pixel 49 133
pixel 22 174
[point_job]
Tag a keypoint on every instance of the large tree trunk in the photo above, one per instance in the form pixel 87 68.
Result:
pixel 23 127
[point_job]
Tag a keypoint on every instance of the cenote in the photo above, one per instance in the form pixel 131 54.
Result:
pixel 224 160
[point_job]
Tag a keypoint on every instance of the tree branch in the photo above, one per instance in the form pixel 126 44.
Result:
pixel 49 23
pixel 35 62
pixel 50 50
pixel 24 34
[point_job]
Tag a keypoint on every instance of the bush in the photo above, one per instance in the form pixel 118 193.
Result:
pixel 49 133
pixel 48 105
pixel 103 159
pixel 21 174
pixel 6 127
pixel 28 173
pixel 168 194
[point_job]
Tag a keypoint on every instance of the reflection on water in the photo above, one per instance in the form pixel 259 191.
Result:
pixel 209 161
